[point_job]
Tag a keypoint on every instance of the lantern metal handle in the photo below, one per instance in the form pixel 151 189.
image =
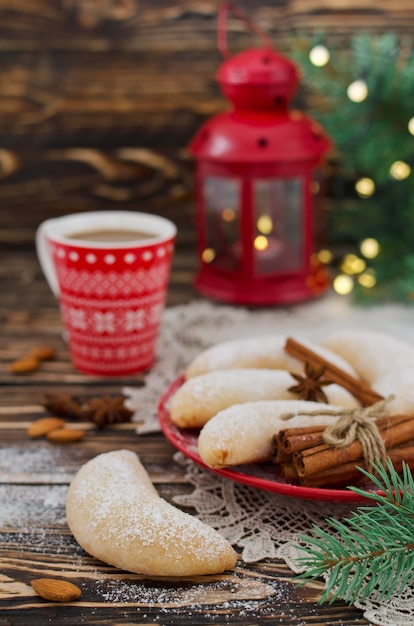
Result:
pixel 224 9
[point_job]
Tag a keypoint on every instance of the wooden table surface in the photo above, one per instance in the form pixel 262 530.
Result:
pixel 35 541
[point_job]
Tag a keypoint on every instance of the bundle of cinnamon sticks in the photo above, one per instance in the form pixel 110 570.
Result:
pixel 303 457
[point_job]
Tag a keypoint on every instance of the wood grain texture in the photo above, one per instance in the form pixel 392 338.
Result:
pixel 100 98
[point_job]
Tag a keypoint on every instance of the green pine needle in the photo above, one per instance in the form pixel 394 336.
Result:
pixel 371 551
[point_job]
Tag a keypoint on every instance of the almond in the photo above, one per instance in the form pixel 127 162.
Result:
pixel 44 425
pixel 24 366
pixel 42 353
pixel 56 590
pixel 65 435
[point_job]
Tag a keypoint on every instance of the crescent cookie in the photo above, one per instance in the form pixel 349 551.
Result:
pixel 386 363
pixel 266 351
pixel 117 516
pixel 201 397
pixel 243 433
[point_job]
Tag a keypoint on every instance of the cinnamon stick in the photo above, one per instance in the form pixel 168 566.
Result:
pixel 393 430
pixel 358 388
pixel 346 474
pixel 288 472
pixel 349 473
pixel 278 454
pixel 290 441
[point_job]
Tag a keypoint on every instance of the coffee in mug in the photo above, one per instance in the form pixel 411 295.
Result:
pixel 109 271
pixel 111 235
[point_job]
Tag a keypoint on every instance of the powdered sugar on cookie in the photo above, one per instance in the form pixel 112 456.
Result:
pixel 243 432
pixel 202 397
pixel 256 352
pixel 116 514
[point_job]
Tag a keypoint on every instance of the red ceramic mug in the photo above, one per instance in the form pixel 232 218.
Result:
pixel 109 271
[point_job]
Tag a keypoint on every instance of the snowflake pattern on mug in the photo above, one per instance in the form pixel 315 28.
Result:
pixel 103 322
pixel 117 322
pixel 112 303
pixel 134 320
pixel 76 318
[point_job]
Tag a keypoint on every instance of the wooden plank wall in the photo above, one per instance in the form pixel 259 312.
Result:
pixel 99 98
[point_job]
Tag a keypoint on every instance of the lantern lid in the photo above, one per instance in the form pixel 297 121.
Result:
pixel 258 78
pixel 260 137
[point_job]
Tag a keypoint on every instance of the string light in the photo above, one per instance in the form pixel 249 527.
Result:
pixel 400 170
pixel 367 279
pixel 315 187
pixel 343 284
pixel 352 264
pixel 370 248
pixel 228 215
pixel 208 255
pixel 261 242
pixel 357 91
pixel 365 187
pixel 411 126
pixel 324 256
pixel 265 224
pixel 319 56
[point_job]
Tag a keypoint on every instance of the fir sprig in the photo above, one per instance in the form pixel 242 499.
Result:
pixel 371 551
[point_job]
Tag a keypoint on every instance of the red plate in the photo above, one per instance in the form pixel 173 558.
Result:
pixel 260 476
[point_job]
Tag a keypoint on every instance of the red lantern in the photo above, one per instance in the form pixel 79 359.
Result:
pixel 255 184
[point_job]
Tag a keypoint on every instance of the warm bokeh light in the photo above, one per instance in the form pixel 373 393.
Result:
pixel 400 170
pixel 325 256
pixel 411 126
pixel 228 215
pixel 265 224
pixel 315 187
pixel 352 264
pixel 208 255
pixel 367 279
pixel 365 187
pixel 370 248
pixel 261 242
pixel 343 284
pixel 319 56
pixel 357 91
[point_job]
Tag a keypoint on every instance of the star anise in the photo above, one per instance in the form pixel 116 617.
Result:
pixel 62 405
pixel 106 410
pixel 309 387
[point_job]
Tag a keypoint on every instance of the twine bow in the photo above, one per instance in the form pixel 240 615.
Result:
pixel 359 424
pixel 356 424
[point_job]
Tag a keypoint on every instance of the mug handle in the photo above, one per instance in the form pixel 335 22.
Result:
pixel 45 257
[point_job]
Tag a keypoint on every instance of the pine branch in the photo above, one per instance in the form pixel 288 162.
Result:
pixel 371 551
pixel 370 136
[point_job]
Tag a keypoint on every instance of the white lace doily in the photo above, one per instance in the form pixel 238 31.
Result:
pixel 262 524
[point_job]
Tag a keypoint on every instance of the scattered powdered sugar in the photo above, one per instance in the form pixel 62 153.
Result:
pixel 23 507
pixel 240 595
pixel 33 464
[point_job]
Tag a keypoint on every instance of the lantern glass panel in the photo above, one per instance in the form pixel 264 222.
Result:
pixel 222 213
pixel 279 228
pixel 316 190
